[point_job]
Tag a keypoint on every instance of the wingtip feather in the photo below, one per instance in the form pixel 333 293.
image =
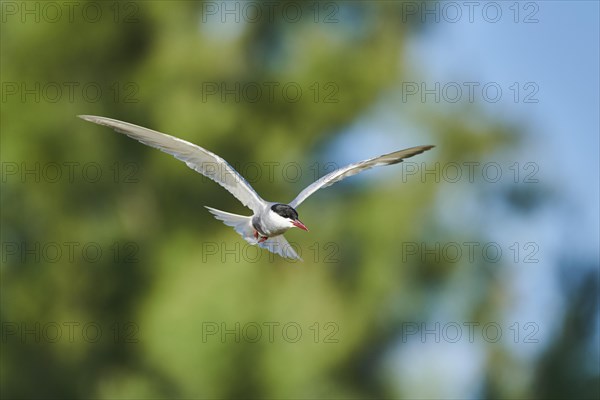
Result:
pixel 91 118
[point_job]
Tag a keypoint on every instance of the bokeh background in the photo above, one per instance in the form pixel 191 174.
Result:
pixel 470 272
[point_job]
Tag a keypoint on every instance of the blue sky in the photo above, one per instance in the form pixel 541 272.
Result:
pixel 560 54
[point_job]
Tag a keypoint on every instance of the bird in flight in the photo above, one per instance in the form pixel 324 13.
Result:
pixel 270 220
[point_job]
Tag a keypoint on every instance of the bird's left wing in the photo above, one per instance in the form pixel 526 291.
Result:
pixel 197 158
pixel 353 169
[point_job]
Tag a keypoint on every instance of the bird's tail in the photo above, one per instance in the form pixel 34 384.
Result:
pixel 241 223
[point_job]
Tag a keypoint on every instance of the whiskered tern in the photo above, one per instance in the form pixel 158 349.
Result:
pixel 270 220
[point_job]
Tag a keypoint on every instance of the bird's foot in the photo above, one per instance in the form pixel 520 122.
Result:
pixel 262 238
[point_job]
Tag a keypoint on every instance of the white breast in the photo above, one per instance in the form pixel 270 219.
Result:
pixel 273 224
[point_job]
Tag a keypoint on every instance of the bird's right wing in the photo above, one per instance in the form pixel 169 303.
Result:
pixel 353 169
pixel 279 245
pixel 197 158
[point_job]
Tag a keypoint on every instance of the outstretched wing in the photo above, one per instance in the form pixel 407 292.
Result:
pixel 197 158
pixel 353 169
pixel 278 245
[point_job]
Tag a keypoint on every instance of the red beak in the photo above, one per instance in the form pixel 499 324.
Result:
pixel 300 225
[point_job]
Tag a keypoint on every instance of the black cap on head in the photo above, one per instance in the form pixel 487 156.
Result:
pixel 285 211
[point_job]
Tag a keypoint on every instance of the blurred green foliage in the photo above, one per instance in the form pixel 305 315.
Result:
pixel 162 289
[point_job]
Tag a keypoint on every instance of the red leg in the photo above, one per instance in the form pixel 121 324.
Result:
pixel 262 239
